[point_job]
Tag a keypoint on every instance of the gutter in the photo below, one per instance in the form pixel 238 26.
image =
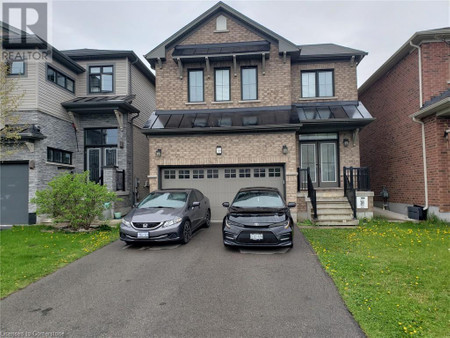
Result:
pixel 424 150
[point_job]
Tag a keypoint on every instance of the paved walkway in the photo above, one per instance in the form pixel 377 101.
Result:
pixel 197 290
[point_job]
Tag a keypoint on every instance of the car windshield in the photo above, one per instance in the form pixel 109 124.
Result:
pixel 164 200
pixel 258 199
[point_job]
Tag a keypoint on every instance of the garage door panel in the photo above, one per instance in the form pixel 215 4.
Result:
pixel 222 183
pixel 13 194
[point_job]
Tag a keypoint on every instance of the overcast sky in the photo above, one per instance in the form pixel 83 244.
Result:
pixel 377 27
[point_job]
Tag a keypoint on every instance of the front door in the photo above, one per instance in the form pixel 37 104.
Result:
pixel 93 163
pixel 321 159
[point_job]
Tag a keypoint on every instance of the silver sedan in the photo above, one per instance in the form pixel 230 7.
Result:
pixel 166 216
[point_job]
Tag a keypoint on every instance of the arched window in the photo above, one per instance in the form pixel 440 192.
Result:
pixel 221 23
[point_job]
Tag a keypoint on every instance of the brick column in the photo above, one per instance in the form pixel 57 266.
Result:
pixel 110 177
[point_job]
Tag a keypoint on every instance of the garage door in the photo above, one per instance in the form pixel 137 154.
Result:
pixel 14 194
pixel 221 184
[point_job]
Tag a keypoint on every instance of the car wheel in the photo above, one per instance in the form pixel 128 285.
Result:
pixel 187 232
pixel 208 219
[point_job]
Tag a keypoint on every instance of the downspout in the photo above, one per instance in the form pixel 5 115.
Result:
pixel 424 150
pixel 130 88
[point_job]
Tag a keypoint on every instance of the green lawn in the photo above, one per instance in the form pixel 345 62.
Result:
pixel 394 278
pixel 28 254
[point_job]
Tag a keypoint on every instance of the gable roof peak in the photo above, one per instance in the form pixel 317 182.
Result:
pixel 159 52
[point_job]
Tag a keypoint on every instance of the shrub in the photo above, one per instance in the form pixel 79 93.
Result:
pixel 73 198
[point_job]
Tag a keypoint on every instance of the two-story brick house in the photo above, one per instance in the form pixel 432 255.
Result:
pixel 238 105
pixel 80 110
pixel 409 95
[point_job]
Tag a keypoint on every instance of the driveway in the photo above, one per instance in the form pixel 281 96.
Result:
pixel 197 290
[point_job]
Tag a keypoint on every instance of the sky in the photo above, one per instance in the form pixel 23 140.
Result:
pixel 377 27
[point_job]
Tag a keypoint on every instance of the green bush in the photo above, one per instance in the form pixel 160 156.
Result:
pixel 73 198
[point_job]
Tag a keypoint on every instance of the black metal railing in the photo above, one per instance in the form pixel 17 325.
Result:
pixel 120 180
pixel 304 183
pixel 355 179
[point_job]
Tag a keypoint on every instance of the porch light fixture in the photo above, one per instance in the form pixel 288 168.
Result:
pixel 285 149
pixel 346 142
pixel 219 150
pixel 158 152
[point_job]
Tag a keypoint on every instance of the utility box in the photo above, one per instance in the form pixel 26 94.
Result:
pixel 417 212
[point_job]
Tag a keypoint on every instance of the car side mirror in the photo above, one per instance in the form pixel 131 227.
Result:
pixel 292 205
pixel 195 204
pixel 226 204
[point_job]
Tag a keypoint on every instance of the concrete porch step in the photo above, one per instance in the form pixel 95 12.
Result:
pixel 335 211
pixel 339 218
pixel 337 223
pixel 332 199
pixel 339 205
pixel 330 193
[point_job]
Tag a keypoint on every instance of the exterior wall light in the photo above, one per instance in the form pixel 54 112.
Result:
pixel 219 150
pixel 285 149
pixel 346 142
pixel 158 152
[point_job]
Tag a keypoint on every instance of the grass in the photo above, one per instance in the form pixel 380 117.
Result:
pixel 28 253
pixel 394 277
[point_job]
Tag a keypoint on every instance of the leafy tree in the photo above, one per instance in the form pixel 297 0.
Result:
pixel 10 99
pixel 73 198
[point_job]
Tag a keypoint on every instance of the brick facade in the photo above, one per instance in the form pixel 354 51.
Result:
pixel 279 86
pixel 392 145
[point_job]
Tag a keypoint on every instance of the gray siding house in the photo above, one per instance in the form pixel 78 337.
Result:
pixel 82 110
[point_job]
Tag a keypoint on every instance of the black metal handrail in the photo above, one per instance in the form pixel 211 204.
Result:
pixel 304 183
pixel 355 179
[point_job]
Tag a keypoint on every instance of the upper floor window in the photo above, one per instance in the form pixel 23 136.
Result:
pixel 16 67
pixel 101 79
pixel 249 83
pixel 195 84
pixel 60 79
pixel 222 84
pixel 317 83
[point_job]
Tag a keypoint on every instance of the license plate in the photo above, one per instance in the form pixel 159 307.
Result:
pixel 142 235
pixel 256 237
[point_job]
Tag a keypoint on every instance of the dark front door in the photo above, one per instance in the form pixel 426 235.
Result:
pixel 321 159
pixel 13 194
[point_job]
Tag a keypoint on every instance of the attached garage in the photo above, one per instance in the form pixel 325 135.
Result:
pixel 220 184
pixel 14 193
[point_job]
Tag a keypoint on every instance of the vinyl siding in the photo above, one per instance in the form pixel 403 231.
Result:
pixel 121 70
pixel 27 84
pixel 51 95
pixel 145 99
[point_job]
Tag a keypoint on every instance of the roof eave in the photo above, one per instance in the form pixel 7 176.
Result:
pixel 417 38
pixel 207 130
pixel 441 108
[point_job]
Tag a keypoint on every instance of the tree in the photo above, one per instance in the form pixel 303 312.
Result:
pixel 10 98
pixel 73 198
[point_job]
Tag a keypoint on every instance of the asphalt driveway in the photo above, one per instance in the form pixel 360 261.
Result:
pixel 197 290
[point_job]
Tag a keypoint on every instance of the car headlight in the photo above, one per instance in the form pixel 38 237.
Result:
pixel 229 223
pixel 284 224
pixel 126 223
pixel 171 222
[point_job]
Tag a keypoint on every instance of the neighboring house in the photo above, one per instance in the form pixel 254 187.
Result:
pixel 238 105
pixel 411 89
pixel 82 110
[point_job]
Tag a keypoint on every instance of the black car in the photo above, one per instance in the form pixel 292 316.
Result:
pixel 258 217
pixel 166 216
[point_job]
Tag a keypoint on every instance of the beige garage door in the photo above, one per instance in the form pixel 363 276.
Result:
pixel 221 184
